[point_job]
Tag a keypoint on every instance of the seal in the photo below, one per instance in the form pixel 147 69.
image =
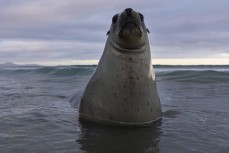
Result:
pixel 123 90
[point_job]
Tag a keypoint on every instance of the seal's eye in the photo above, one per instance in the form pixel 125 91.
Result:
pixel 141 17
pixel 115 19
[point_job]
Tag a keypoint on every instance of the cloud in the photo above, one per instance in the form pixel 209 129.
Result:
pixel 49 30
pixel 224 55
pixel 36 51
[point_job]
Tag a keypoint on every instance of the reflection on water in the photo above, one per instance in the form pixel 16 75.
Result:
pixel 104 139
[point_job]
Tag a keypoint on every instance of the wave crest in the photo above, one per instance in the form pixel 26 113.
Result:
pixel 194 76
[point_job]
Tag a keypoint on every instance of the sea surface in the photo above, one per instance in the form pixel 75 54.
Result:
pixel 36 117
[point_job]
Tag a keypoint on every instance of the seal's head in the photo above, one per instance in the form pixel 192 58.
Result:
pixel 128 29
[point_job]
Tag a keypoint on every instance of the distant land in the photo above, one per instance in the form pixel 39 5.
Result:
pixel 12 65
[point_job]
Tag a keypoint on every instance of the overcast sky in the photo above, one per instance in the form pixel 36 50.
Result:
pixel 54 32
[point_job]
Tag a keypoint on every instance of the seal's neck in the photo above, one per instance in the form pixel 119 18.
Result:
pixel 130 50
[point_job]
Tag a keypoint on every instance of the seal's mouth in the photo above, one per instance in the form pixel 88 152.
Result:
pixel 129 24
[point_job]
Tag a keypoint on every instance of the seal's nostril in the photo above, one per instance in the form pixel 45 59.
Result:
pixel 128 10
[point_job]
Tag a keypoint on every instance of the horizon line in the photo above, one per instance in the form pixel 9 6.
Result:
pixel 183 61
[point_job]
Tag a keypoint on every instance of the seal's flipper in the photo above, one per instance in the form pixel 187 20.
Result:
pixel 76 98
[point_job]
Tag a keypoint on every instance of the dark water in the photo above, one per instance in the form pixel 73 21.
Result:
pixel 36 117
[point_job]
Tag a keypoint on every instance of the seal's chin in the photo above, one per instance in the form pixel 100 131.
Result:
pixel 130 35
pixel 130 31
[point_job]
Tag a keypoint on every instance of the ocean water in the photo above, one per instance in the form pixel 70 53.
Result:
pixel 35 115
